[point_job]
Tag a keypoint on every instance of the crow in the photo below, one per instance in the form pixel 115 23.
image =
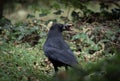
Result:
pixel 57 50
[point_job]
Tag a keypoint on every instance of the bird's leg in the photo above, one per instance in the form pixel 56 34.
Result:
pixel 56 69
pixel 66 68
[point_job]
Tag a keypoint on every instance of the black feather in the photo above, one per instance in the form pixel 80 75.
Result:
pixel 57 50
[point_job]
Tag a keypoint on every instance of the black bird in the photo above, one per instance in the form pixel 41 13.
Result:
pixel 57 50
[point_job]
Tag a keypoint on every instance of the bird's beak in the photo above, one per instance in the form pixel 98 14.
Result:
pixel 68 27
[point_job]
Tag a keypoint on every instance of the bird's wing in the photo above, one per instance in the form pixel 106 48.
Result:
pixel 63 55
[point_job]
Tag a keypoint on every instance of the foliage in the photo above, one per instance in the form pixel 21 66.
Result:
pixel 96 45
pixel 22 32
pixel 21 63
pixel 106 69
pixel 104 13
